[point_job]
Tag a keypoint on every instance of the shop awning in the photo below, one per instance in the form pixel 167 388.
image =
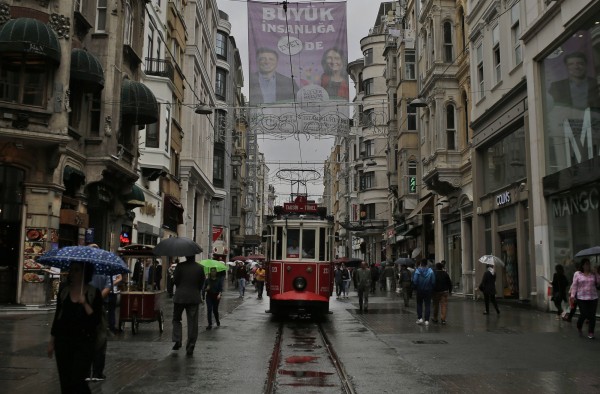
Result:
pixel 419 208
pixel 29 36
pixel 138 103
pixel 71 174
pixel 136 197
pixel 86 67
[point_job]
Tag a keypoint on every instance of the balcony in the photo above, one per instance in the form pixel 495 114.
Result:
pixel 160 68
pixel 442 172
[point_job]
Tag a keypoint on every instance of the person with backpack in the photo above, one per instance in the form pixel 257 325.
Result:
pixel 424 281
pixel 405 283
pixel 441 290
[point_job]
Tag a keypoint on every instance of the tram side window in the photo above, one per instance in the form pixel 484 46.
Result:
pixel 279 246
pixel 308 244
pixel 322 235
pixel 293 244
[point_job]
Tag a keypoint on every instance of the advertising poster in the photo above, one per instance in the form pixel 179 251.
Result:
pixel 298 58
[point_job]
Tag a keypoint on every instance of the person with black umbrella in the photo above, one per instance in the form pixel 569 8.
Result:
pixel 188 279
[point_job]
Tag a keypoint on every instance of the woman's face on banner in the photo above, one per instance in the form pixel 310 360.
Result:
pixel 334 61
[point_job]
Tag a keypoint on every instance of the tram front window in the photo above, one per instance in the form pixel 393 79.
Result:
pixel 293 244
pixel 308 244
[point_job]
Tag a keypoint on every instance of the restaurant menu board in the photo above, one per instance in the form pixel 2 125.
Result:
pixel 37 241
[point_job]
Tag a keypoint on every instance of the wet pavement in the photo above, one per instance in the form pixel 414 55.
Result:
pixel 519 351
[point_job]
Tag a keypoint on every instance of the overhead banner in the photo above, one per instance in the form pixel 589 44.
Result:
pixel 298 68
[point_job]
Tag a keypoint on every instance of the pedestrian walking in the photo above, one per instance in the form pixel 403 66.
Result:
pixel 363 280
pixel 241 275
pixel 585 289
pixel 559 289
pixel 390 277
pixel 213 287
pixel 441 291
pixel 260 280
pixel 103 284
pixel 345 281
pixel 488 288
pixel 74 329
pixel 189 280
pixel 405 283
pixel 338 281
pixel 374 277
pixel 114 302
pixel 424 280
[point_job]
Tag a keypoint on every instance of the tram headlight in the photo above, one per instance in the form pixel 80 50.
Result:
pixel 299 283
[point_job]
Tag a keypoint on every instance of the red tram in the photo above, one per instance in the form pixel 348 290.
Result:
pixel 299 264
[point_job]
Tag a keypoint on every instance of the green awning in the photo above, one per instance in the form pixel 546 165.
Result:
pixel 29 36
pixel 86 67
pixel 71 174
pixel 138 103
pixel 135 198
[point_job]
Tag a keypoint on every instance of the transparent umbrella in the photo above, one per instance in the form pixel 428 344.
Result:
pixel 491 259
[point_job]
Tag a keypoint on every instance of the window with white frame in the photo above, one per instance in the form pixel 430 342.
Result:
pixel 515 28
pixel 480 73
pixel 496 54
pixel 448 43
pixel 150 46
pixel 221 45
pixel 368 54
pixel 369 85
pixel 128 18
pixel 450 127
pixel 367 181
pixel 411 117
pixel 409 65
pixel 368 148
pixel 101 9
pixel 221 84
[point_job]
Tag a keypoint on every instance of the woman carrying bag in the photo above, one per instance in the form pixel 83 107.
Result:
pixel 584 292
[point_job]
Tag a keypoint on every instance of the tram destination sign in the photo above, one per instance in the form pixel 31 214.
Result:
pixel 300 205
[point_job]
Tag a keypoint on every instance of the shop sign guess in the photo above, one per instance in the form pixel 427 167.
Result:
pixel 503 199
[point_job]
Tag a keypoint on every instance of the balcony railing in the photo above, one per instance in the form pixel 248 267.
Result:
pixel 160 68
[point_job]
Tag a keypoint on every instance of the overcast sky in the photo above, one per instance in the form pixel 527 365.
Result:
pixel 282 154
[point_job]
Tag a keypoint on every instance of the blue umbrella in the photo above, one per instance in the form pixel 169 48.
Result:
pixel 593 251
pixel 105 263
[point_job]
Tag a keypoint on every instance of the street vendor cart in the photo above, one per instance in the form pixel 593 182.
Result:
pixel 140 300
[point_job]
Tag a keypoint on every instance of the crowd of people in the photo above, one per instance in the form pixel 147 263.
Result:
pixel 86 301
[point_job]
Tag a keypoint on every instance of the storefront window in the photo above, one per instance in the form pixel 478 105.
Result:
pixel 454 254
pixel 488 233
pixel 504 161
pixel 507 216
pixel 574 225
pixel 571 102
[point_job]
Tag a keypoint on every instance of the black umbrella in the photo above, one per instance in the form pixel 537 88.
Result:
pixel 177 246
pixel 593 251
pixel 404 260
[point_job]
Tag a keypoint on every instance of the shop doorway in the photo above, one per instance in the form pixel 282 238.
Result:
pixel 11 204
pixel 510 277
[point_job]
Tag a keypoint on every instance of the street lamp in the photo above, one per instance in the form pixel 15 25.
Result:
pixel 203 109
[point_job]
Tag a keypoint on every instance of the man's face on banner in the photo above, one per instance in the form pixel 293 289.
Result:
pixel 576 67
pixel 267 62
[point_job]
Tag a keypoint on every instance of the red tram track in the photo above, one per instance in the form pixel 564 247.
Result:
pixel 281 369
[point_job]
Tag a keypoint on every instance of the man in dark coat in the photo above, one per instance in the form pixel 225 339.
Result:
pixel 488 287
pixel 578 90
pixel 269 86
pixel 188 279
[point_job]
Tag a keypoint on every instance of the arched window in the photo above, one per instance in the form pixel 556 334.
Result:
pixel 450 127
pixel 448 43
pixel 412 176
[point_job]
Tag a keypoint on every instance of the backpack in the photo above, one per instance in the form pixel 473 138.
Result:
pixel 424 284
pixel 404 276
